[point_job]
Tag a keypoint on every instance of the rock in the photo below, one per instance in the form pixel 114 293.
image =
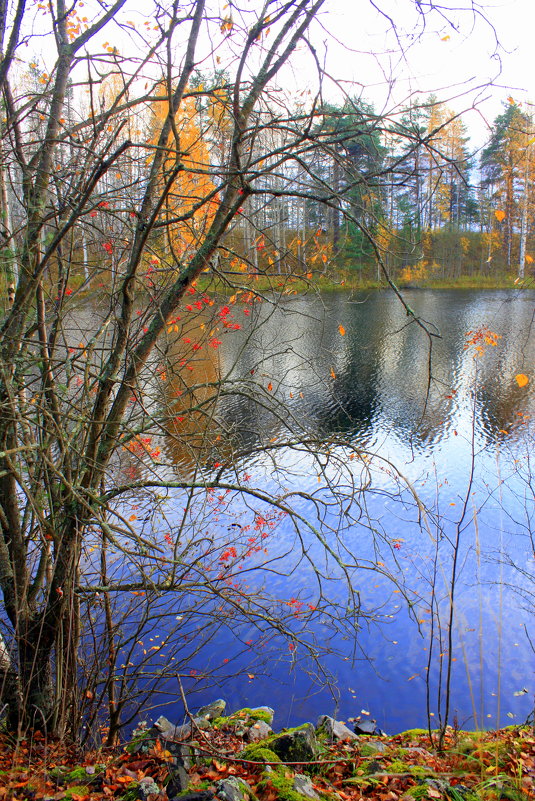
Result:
pixel 212 711
pixel 417 751
pixel 184 754
pixel 368 727
pixel 265 710
pixel 233 789
pixel 303 785
pixel 168 731
pixel 178 781
pixel 374 767
pixel 334 729
pixel 259 730
pixel 438 784
pixel 374 745
pixel 297 745
pixel 201 795
pixel 146 788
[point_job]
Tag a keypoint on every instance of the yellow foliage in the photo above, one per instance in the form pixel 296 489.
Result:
pixel 190 203
pixel 418 272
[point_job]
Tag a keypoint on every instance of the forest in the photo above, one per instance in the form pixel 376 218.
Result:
pixel 165 191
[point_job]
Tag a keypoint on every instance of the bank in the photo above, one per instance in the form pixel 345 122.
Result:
pixel 214 756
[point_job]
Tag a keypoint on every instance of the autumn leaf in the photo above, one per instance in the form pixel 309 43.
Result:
pixel 333 374
pixel 500 215
pixel 270 387
pixel 131 518
pixel 341 330
pixel 521 379
pixel 445 38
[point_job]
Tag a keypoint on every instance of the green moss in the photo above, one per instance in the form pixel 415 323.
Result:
pixel 363 781
pixel 245 715
pixel 418 791
pixel 76 775
pixel 131 792
pixel 258 752
pixel 414 733
pixel 139 738
pixel 282 784
pixel 81 789
pixel 367 750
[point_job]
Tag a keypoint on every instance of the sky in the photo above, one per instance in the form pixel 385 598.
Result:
pixel 473 60
pixel 456 56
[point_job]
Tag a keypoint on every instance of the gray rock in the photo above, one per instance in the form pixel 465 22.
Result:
pixel 199 795
pixel 303 785
pixel 368 727
pixel 268 711
pixel 146 788
pixel 417 751
pixel 259 730
pixel 334 729
pixel 168 731
pixel 299 745
pixel 233 789
pixel 377 746
pixel 178 780
pixel 212 711
pixel 184 754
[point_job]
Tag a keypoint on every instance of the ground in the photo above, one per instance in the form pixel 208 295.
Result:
pixel 488 765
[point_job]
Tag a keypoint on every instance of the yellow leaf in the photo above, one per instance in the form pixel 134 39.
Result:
pixel 445 38
pixel 529 259
pixel 341 330
pixel 522 380
pixel 500 215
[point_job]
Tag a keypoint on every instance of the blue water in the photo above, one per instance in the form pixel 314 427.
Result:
pixel 430 448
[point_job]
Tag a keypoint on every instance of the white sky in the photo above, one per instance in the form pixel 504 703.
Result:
pixel 457 69
pixel 365 49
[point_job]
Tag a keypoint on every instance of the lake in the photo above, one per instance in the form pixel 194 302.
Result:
pixel 428 474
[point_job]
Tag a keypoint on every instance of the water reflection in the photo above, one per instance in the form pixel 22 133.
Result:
pixel 432 412
pixel 375 381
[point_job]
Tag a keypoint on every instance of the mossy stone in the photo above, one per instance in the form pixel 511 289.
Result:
pixel 82 790
pixel 257 752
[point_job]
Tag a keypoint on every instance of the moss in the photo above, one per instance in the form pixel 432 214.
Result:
pixel 245 715
pixel 398 766
pixel 282 783
pixel 257 752
pixel 135 741
pixel 418 791
pixel 367 750
pixel 76 775
pixel 414 733
pixel 81 790
pixel 131 792
pixel 363 781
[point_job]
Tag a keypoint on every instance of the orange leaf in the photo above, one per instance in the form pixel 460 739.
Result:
pixel 500 215
pixel 333 374
pixel 131 518
pixel 270 386
pixel 341 330
pixel 522 380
